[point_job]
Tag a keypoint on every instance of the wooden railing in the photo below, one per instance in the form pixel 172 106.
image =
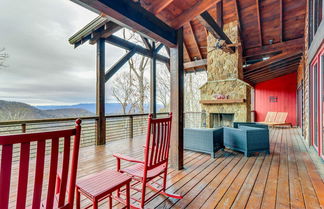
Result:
pixel 117 127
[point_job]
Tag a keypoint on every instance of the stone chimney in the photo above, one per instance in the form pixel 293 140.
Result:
pixel 225 97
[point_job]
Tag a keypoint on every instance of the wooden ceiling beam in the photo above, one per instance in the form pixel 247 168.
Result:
pixel 157 6
pixel 259 22
pixel 278 58
pixel 287 45
pixel 139 19
pixel 281 20
pixel 237 12
pixel 207 20
pixel 195 41
pixel 219 13
pixel 196 63
pixel 192 12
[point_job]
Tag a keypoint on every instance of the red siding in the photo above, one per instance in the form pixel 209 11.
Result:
pixel 284 88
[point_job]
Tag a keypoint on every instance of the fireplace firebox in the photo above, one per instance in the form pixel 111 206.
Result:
pixel 221 120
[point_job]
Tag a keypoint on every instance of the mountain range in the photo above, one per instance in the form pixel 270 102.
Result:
pixel 10 110
pixel 111 108
pixel 21 111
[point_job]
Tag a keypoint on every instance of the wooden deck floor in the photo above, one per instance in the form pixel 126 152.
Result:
pixel 287 178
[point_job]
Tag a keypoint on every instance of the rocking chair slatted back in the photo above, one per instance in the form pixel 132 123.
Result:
pixel 157 142
pixel 68 169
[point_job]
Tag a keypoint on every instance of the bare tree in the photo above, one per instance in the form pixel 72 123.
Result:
pixel 138 65
pixel 163 88
pixel 125 92
pixel 193 82
pixel 3 57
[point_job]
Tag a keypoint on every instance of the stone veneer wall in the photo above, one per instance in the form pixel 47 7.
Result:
pixel 306 104
pixel 222 65
pixel 224 77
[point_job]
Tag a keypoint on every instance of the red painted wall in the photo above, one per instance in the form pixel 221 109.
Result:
pixel 284 88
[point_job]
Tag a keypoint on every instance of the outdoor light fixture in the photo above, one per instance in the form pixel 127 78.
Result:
pixel 270 41
pixel 265 58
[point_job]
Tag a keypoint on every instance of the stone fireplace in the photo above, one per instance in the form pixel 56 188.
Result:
pixel 225 97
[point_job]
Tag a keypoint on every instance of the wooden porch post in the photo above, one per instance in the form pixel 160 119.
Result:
pixel 153 83
pixel 177 88
pixel 100 94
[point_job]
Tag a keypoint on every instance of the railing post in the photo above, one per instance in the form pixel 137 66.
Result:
pixel 177 102
pixel 131 127
pixel 100 94
pixel 23 127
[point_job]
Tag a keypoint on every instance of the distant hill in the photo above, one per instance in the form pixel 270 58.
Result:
pixel 21 111
pixel 111 108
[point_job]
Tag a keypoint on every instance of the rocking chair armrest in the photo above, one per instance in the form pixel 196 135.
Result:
pixel 127 158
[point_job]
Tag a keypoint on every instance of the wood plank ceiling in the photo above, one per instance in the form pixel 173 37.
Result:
pixel 267 28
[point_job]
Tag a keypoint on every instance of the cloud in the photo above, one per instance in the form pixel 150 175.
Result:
pixel 43 68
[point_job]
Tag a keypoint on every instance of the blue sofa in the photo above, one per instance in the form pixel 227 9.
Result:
pixel 247 139
pixel 206 140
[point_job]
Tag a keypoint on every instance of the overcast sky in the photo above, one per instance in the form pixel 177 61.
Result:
pixel 43 68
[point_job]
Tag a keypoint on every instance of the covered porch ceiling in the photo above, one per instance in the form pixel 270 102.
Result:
pixel 267 28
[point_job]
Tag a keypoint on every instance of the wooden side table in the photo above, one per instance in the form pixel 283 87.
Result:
pixel 101 185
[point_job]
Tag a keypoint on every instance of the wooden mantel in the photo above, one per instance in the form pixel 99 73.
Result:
pixel 222 101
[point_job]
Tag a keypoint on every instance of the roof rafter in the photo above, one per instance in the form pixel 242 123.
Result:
pixel 109 29
pixel 287 45
pixel 219 13
pixel 237 11
pixel 196 63
pixel 259 22
pixel 193 12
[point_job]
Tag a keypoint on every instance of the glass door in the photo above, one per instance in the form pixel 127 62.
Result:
pixel 315 105
pixel 321 144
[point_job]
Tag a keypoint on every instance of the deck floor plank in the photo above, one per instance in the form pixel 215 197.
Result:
pixel 270 192
pixel 194 192
pixel 310 197
pixel 283 198
pixel 296 193
pixel 256 195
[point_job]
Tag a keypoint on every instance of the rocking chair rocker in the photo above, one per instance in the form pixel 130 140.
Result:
pixel 155 164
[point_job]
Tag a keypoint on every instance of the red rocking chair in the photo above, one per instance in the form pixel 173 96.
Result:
pixel 155 164
pixel 56 189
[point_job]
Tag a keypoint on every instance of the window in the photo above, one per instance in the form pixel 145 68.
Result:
pixel 315 16
pixel 316 84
